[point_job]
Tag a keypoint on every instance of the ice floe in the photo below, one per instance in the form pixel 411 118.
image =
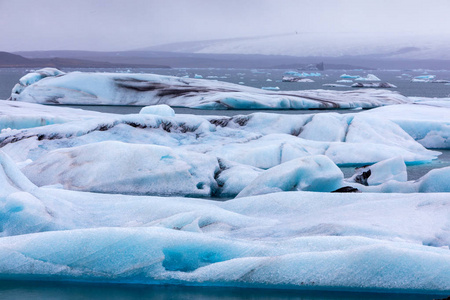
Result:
pixel 150 89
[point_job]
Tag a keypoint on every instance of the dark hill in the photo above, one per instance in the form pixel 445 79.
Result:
pixel 9 60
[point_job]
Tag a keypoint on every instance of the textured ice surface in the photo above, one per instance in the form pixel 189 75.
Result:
pixel 427 121
pixel 150 89
pixel 311 173
pixel 386 170
pixel 116 167
pixel 369 77
pixel 18 115
pixel 78 154
pixel 284 240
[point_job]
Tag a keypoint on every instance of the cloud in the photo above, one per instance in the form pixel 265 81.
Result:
pixel 129 24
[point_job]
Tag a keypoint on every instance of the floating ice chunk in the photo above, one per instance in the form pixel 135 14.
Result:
pixel 272 88
pixel 198 76
pixel 383 171
pixel 425 77
pixel 390 169
pixel 160 110
pixel 350 76
pixel 344 81
pixel 312 173
pixel 420 80
pixel 435 181
pixel 115 167
pixel 335 85
pixel 369 77
pixel 149 89
pixel 383 85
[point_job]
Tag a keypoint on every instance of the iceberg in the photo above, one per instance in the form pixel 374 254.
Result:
pixel 151 89
pixel 350 76
pixel 272 88
pixel 369 77
pixel 123 168
pixel 384 85
pixel 425 121
pixel 312 173
pixel 160 110
pixel 335 85
pixel 381 172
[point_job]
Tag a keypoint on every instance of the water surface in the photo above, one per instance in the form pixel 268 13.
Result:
pixel 81 291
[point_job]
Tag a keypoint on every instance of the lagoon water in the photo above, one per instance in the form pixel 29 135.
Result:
pixel 84 291
pixel 61 290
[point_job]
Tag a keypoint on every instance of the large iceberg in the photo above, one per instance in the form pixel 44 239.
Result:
pixel 150 89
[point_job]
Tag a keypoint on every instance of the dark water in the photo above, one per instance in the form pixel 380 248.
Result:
pixel 128 109
pixel 11 290
pixel 258 78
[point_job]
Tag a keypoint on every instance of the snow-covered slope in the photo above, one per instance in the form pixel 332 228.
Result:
pixel 151 89
pixel 322 44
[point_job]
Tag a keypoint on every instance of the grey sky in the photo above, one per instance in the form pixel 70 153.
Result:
pixel 130 24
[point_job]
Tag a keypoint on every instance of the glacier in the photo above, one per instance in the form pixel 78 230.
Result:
pixel 151 89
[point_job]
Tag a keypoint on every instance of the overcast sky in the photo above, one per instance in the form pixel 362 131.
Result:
pixel 129 24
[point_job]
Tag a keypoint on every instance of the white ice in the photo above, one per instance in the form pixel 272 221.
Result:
pixel 18 115
pixel 369 77
pixel 310 240
pixel 160 110
pixel 426 121
pixel 150 89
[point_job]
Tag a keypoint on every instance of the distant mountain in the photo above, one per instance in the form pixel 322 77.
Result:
pixel 320 44
pixel 9 60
